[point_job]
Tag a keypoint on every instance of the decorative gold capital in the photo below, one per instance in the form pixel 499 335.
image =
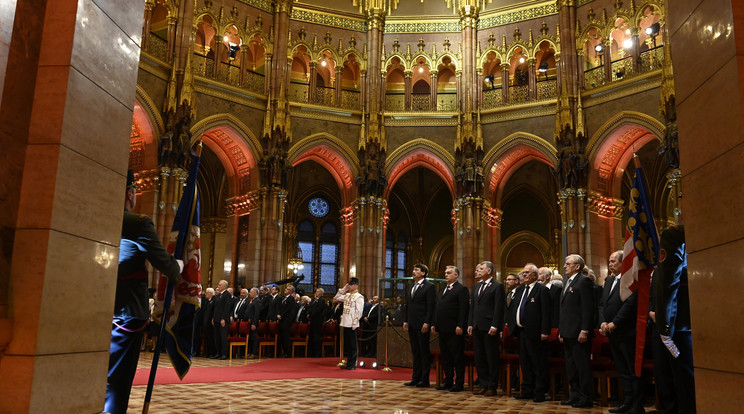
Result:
pixel 213 225
pixel 243 204
pixel 604 206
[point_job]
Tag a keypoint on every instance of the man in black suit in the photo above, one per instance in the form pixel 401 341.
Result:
pixel 206 313
pixel 316 314
pixel 221 320
pixel 236 314
pixel 486 318
pixel 264 299
pixel 575 330
pixel 273 301
pixel 617 320
pixel 369 326
pixel 532 326
pixel 510 315
pixel 250 313
pixel 417 318
pixel 450 321
pixel 286 310
pixel 670 297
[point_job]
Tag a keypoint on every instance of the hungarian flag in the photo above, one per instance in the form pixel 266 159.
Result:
pixel 640 256
pixel 186 293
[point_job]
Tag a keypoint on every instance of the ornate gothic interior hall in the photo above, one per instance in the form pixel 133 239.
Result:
pixel 356 138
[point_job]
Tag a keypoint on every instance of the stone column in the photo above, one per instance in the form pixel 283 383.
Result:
pixel 339 87
pixel 371 214
pixel 149 6
pixel 532 79
pixel 62 195
pixel 433 89
pixel 170 50
pixel 313 82
pixel 408 91
pixel 505 83
pixel 243 63
pixel 469 228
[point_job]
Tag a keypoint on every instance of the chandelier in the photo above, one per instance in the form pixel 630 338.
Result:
pixel 295 260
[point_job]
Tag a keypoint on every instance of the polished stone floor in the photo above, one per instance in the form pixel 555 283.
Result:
pixel 324 395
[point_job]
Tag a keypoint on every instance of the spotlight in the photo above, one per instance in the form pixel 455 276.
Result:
pixel 620 73
pixel 521 60
pixel 361 364
pixel 421 69
pixel 543 67
pixel 374 365
pixel 653 30
pixel 599 48
pixel 323 63
pixel 232 50
pixel 628 43
pixel 225 38
pixel 490 80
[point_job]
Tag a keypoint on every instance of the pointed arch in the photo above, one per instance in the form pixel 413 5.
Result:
pixel 526 236
pixel 511 153
pixel 150 109
pixel 334 155
pixel 612 146
pixel 440 60
pixel 420 152
pixel 236 147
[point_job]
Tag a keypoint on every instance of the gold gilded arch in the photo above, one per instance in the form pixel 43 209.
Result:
pixel 420 152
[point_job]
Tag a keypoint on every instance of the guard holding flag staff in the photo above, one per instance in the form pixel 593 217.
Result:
pixel 139 242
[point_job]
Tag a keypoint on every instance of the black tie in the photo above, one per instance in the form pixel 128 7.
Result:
pixel 521 305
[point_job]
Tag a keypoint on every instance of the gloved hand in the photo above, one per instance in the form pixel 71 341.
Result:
pixel 180 265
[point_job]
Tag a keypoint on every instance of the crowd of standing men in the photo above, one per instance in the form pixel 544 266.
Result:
pixel 536 301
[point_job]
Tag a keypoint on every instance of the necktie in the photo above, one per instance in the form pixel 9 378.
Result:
pixel 614 282
pixel 447 290
pixel 482 286
pixel 521 304
pixel 568 283
pixel 415 288
pixel 509 297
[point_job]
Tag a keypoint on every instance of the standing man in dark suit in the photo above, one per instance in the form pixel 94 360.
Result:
pixel 221 320
pixel 250 313
pixel 417 318
pixel 486 319
pixel 450 320
pixel 264 298
pixel 207 313
pixel 532 326
pixel 617 320
pixel 510 315
pixel 575 330
pixel 286 311
pixel 369 324
pixel 139 243
pixel 273 302
pixel 316 313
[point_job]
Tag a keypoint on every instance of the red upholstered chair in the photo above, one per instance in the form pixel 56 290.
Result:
pixel 509 359
pixel 266 333
pixel 556 364
pixel 239 338
pixel 299 336
pixel 603 367
pixel 328 333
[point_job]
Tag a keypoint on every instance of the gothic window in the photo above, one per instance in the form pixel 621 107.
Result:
pixel 320 248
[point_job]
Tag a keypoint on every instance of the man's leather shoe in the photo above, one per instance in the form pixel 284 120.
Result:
pixel 583 404
pixel 623 408
pixel 570 401
pixel 456 388
pixel 350 367
pixel 539 399
pixel 480 391
pixel 443 387
pixel 422 385
pixel 223 357
pixel 489 393
pixel 411 383
pixel 523 396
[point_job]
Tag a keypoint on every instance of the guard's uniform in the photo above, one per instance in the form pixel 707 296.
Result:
pixel 139 242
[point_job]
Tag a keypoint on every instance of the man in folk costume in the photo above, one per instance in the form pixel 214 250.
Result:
pixel 353 305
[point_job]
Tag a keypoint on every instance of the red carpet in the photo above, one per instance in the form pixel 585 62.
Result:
pixel 275 369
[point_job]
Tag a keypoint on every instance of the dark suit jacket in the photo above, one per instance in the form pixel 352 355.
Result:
pixel 273 302
pixel 373 316
pixel 222 307
pixel 555 297
pixel 302 314
pixel 139 243
pixel 420 307
pixel 487 309
pixel 612 309
pixel 287 309
pixel 577 307
pixel 250 310
pixel 316 311
pixel 452 309
pixel 535 318
pixel 206 311
pixel 510 312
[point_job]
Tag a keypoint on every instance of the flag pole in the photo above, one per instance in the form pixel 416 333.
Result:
pixel 178 253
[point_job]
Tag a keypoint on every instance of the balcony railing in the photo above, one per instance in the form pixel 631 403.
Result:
pixel 421 102
pixel 351 100
pixel 547 89
pixel 652 59
pixel 446 102
pixel 519 93
pixel 254 82
pixel 594 78
pixel 298 92
pixel 157 47
pixel 324 96
pixel 622 69
pixel 395 102
pixel 492 98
